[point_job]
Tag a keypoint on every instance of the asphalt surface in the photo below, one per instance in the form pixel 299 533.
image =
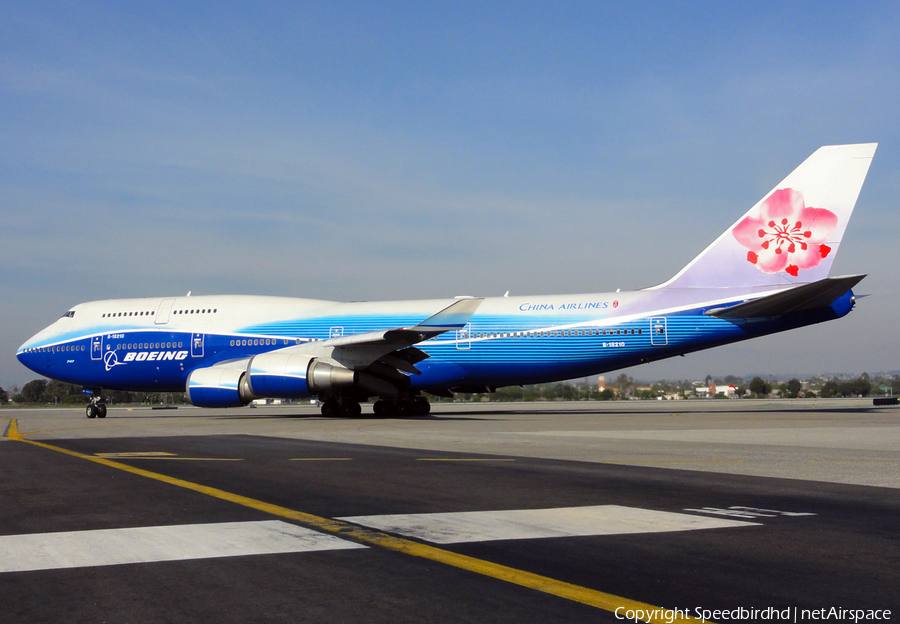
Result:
pixel 540 513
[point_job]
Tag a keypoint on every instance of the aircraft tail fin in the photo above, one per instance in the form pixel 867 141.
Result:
pixel 791 235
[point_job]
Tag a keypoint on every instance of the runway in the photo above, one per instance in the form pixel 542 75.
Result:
pixel 570 512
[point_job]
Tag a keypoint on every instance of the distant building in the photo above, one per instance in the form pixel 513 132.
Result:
pixel 708 392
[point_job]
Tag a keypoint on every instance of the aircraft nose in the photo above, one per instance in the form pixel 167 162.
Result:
pixel 29 354
pixel 23 350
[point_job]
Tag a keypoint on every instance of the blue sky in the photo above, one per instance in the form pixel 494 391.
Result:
pixel 398 150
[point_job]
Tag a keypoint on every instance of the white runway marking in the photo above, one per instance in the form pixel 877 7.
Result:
pixel 77 549
pixel 483 526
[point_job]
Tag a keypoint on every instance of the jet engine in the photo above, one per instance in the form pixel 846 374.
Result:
pixel 289 375
pixel 277 374
pixel 218 386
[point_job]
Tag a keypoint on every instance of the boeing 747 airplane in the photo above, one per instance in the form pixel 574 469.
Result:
pixel 767 273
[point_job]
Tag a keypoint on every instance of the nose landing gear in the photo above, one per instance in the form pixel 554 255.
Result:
pixel 96 408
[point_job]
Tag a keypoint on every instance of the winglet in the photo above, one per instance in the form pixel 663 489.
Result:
pixel 792 234
pixel 455 316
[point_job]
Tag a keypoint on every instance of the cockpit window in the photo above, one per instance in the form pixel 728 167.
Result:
pixel 69 314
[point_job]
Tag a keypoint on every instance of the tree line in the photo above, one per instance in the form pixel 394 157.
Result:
pixel 43 391
pixel 53 392
pixel 861 386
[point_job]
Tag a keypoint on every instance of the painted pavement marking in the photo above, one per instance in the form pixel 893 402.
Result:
pixel 483 526
pixel 102 547
pixel 160 455
pixel 466 459
pixel 739 511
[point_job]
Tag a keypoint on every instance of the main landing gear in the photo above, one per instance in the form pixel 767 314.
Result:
pixel 96 408
pixel 334 408
pixel 401 408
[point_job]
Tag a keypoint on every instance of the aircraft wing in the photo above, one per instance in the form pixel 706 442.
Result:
pixel 807 297
pixel 373 362
pixel 394 347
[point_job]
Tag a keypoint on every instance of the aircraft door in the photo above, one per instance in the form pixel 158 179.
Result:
pixel 97 347
pixel 162 314
pixel 335 332
pixel 658 331
pixel 197 345
pixel 464 337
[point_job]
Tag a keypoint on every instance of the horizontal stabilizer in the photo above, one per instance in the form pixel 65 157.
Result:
pixel 807 297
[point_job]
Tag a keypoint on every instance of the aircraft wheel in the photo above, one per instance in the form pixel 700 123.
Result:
pixel 101 410
pixel 90 411
pixel 351 409
pixel 330 408
pixel 421 406
pixel 404 409
pixel 382 408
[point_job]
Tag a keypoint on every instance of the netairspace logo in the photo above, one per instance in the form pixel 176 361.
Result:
pixel 789 614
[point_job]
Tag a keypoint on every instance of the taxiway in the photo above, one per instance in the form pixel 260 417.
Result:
pixel 484 512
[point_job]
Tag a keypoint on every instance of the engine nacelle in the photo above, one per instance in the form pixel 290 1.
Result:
pixel 217 386
pixel 294 375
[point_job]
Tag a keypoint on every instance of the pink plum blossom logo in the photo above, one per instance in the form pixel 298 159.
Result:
pixel 788 235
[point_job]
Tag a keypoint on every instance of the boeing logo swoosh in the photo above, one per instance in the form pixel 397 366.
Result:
pixel 111 360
